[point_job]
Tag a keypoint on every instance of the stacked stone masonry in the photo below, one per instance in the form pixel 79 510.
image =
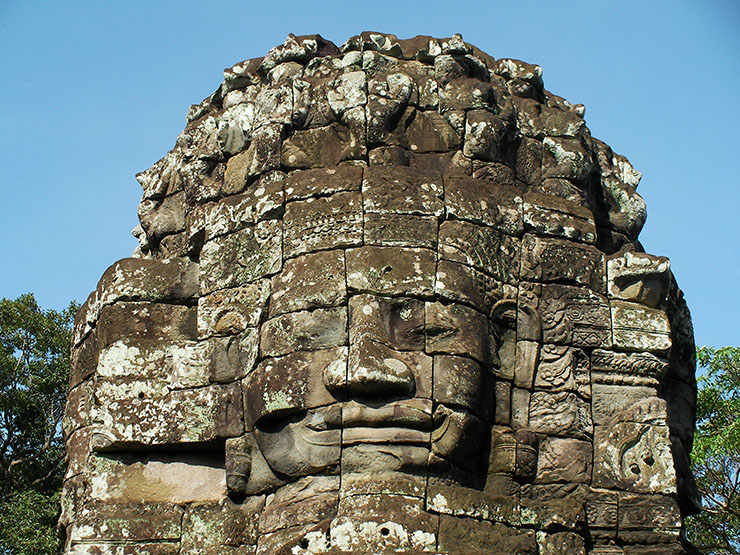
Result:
pixel 388 297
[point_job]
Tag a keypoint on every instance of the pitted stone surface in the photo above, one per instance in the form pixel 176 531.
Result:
pixel 388 297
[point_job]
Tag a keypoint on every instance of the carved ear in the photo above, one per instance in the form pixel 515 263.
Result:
pixel 528 325
pixel 507 314
pixel 504 312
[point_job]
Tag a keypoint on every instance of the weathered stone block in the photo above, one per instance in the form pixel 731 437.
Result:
pixel 554 506
pixel 502 403
pixel 323 223
pixel 142 322
pixel 561 543
pixel 562 413
pixel 484 135
pixel 566 157
pixel 402 191
pixel 378 371
pixel 651 519
pixel 244 256
pixel 426 132
pixel 231 311
pixel 462 382
pixel 391 270
pixel 634 456
pixel 233 357
pixel 304 330
pixel 216 527
pixel 383 522
pixel 307 501
pixel 128 522
pixel 570 315
pixel 138 279
pixel 292 383
pixel 183 478
pixel 452 499
pixel 401 230
pixel 464 284
pixel 321 147
pixel 548 215
pixel 322 182
pixel 479 536
pixel 556 260
pixel 627 368
pixel 482 202
pixel 520 408
pixel 485 249
pixel 456 329
pixel 83 359
pixel 638 277
pixel 396 322
pixel 564 460
pixel 637 328
pixel 563 369
pixel 77 412
pixel 614 401
pixel 309 281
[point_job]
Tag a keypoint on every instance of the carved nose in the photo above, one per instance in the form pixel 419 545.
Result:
pixel 374 371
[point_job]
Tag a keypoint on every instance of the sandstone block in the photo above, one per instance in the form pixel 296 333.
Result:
pixel 137 279
pixel 485 249
pixel 391 270
pixel 322 182
pixel 564 460
pixel 407 230
pixel 563 369
pixel 231 311
pixel 562 413
pixel 641 462
pixel 304 330
pixel 637 328
pixel 242 257
pixel 555 217
pixel 309 281
pixel 323 223
pixel 402 191
pixel 556 260
pixel 289 383
pixel 484 134
pixel 638 277
pixel 396 322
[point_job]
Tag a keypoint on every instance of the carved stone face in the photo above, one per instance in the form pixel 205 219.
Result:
pixel 396 284
pixel 375 359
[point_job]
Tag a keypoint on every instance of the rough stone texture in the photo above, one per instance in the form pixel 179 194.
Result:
pixel 388 297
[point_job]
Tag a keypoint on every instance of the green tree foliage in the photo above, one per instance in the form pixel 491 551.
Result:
pixel 34 369
pixel 716 454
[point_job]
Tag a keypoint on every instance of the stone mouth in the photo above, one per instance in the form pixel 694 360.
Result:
pixel 410 415
pixel 385 435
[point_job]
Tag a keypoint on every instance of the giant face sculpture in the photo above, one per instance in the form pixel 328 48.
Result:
pixel 385 299
pixel 375 353
pixel 381 331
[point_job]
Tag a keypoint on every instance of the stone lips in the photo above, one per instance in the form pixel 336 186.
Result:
pixel 388 296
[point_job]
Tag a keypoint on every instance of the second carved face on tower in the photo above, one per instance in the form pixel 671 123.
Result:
pixel 372 358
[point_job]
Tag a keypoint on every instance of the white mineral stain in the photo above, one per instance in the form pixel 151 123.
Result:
pixel 439 504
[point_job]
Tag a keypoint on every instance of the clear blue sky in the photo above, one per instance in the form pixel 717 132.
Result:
pixel 92 92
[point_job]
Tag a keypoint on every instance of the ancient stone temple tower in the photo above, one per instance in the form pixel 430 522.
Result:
pixel 388 297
